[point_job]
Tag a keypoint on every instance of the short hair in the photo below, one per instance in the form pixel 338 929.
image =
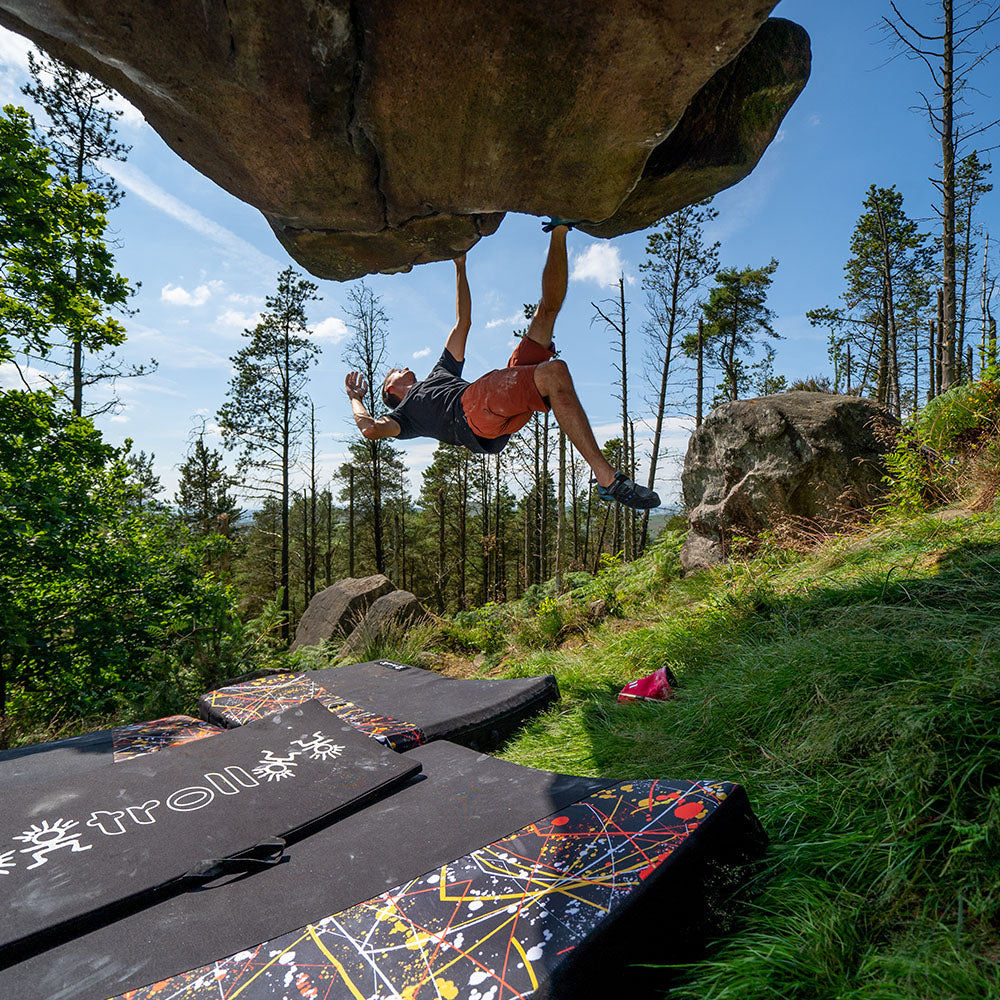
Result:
pixel 388 398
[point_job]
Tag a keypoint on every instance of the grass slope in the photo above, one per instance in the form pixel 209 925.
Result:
pixel 855 693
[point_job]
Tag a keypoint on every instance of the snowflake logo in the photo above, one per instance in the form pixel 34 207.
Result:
pixel 6 862
pixel 273 768
pixel 317 746
pixel 43 840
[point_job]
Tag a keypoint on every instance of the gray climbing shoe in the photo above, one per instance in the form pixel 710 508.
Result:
pixel 629 494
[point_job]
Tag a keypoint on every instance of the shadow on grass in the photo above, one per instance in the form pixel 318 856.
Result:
pixel 863 718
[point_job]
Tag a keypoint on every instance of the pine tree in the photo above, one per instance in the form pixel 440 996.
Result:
pixel 678 262
pixel 886 278
pixel 948 53
pixel 366 353
pixel 81 135
pixel 145 483
pixel 204 488
pixel 265 414
pixel 971 185
pixel 737 320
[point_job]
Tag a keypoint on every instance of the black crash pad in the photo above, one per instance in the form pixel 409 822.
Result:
pixel 80 850
pixel 478 879
pixel 76 754
pixel 401 705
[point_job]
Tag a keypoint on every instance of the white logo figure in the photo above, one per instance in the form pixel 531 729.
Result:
pixel 45 839
pixel 7 861
pixel 274 768
pixel 317 746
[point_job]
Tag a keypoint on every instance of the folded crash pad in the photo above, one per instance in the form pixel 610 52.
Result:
pixel 401 705
pixel 78 851
pixel 92 750
pixel 479 879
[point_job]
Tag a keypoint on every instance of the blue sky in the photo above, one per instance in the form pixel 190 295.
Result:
pixel 205 260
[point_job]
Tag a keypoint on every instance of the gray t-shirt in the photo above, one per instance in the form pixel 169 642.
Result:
pixel 433 408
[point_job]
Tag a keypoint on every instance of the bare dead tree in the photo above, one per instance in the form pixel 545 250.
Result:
pixel 950 53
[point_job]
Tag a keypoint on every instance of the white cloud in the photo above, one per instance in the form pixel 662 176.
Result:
pixel 421 353
pixel 119 418
pixel 511 320
pixel 779 135
pixel 815 120
pixel 178 296
pixel 177 352
pixel 134 180
pixel 600 262
pixel 232 319
pixel 246 300
pixel 11 378
pixel 331 329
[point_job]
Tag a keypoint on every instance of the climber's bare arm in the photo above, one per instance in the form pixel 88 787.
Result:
pixel 384 427
pixel 463 312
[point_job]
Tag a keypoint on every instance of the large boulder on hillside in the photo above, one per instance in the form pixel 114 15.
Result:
pixel 794 457
pixel 380 135
pixel 334 611
pixel 397 610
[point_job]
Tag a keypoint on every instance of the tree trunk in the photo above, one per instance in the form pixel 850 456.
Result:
pixel 375 450
pixel 328 555
pixel 439 588
pixel 312 502
pixel 463 517
pixel 948 197
pixel 560 510
pixel 286 433
pixel 931 360
pixel 575 493
pixel 939 375
pixel 350 522
pixel 543 501
pixel 701 373
pixel 626 463
pixel 537 549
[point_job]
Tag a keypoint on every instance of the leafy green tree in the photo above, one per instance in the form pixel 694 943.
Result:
pixel 737 320
pixel 101 603
pixel 57 274
pixel 204 488
pixel 265 414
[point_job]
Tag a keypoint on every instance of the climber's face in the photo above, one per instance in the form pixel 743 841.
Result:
pixel 398 382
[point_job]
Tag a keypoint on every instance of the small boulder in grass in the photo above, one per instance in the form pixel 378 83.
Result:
pixel 660 685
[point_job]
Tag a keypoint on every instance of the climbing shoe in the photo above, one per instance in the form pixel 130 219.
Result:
pixel 658 686
pixel 629 494
pixel 547 227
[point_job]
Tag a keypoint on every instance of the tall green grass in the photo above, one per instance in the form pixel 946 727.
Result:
pixel 855 693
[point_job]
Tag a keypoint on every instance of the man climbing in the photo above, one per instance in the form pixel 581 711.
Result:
pixel 482 415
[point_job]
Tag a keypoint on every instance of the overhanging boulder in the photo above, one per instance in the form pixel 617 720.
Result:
pixel 381 135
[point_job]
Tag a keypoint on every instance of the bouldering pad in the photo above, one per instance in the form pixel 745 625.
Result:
pixel 75 754
pixel 479 877
pixel 401 705
pixel 78 851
